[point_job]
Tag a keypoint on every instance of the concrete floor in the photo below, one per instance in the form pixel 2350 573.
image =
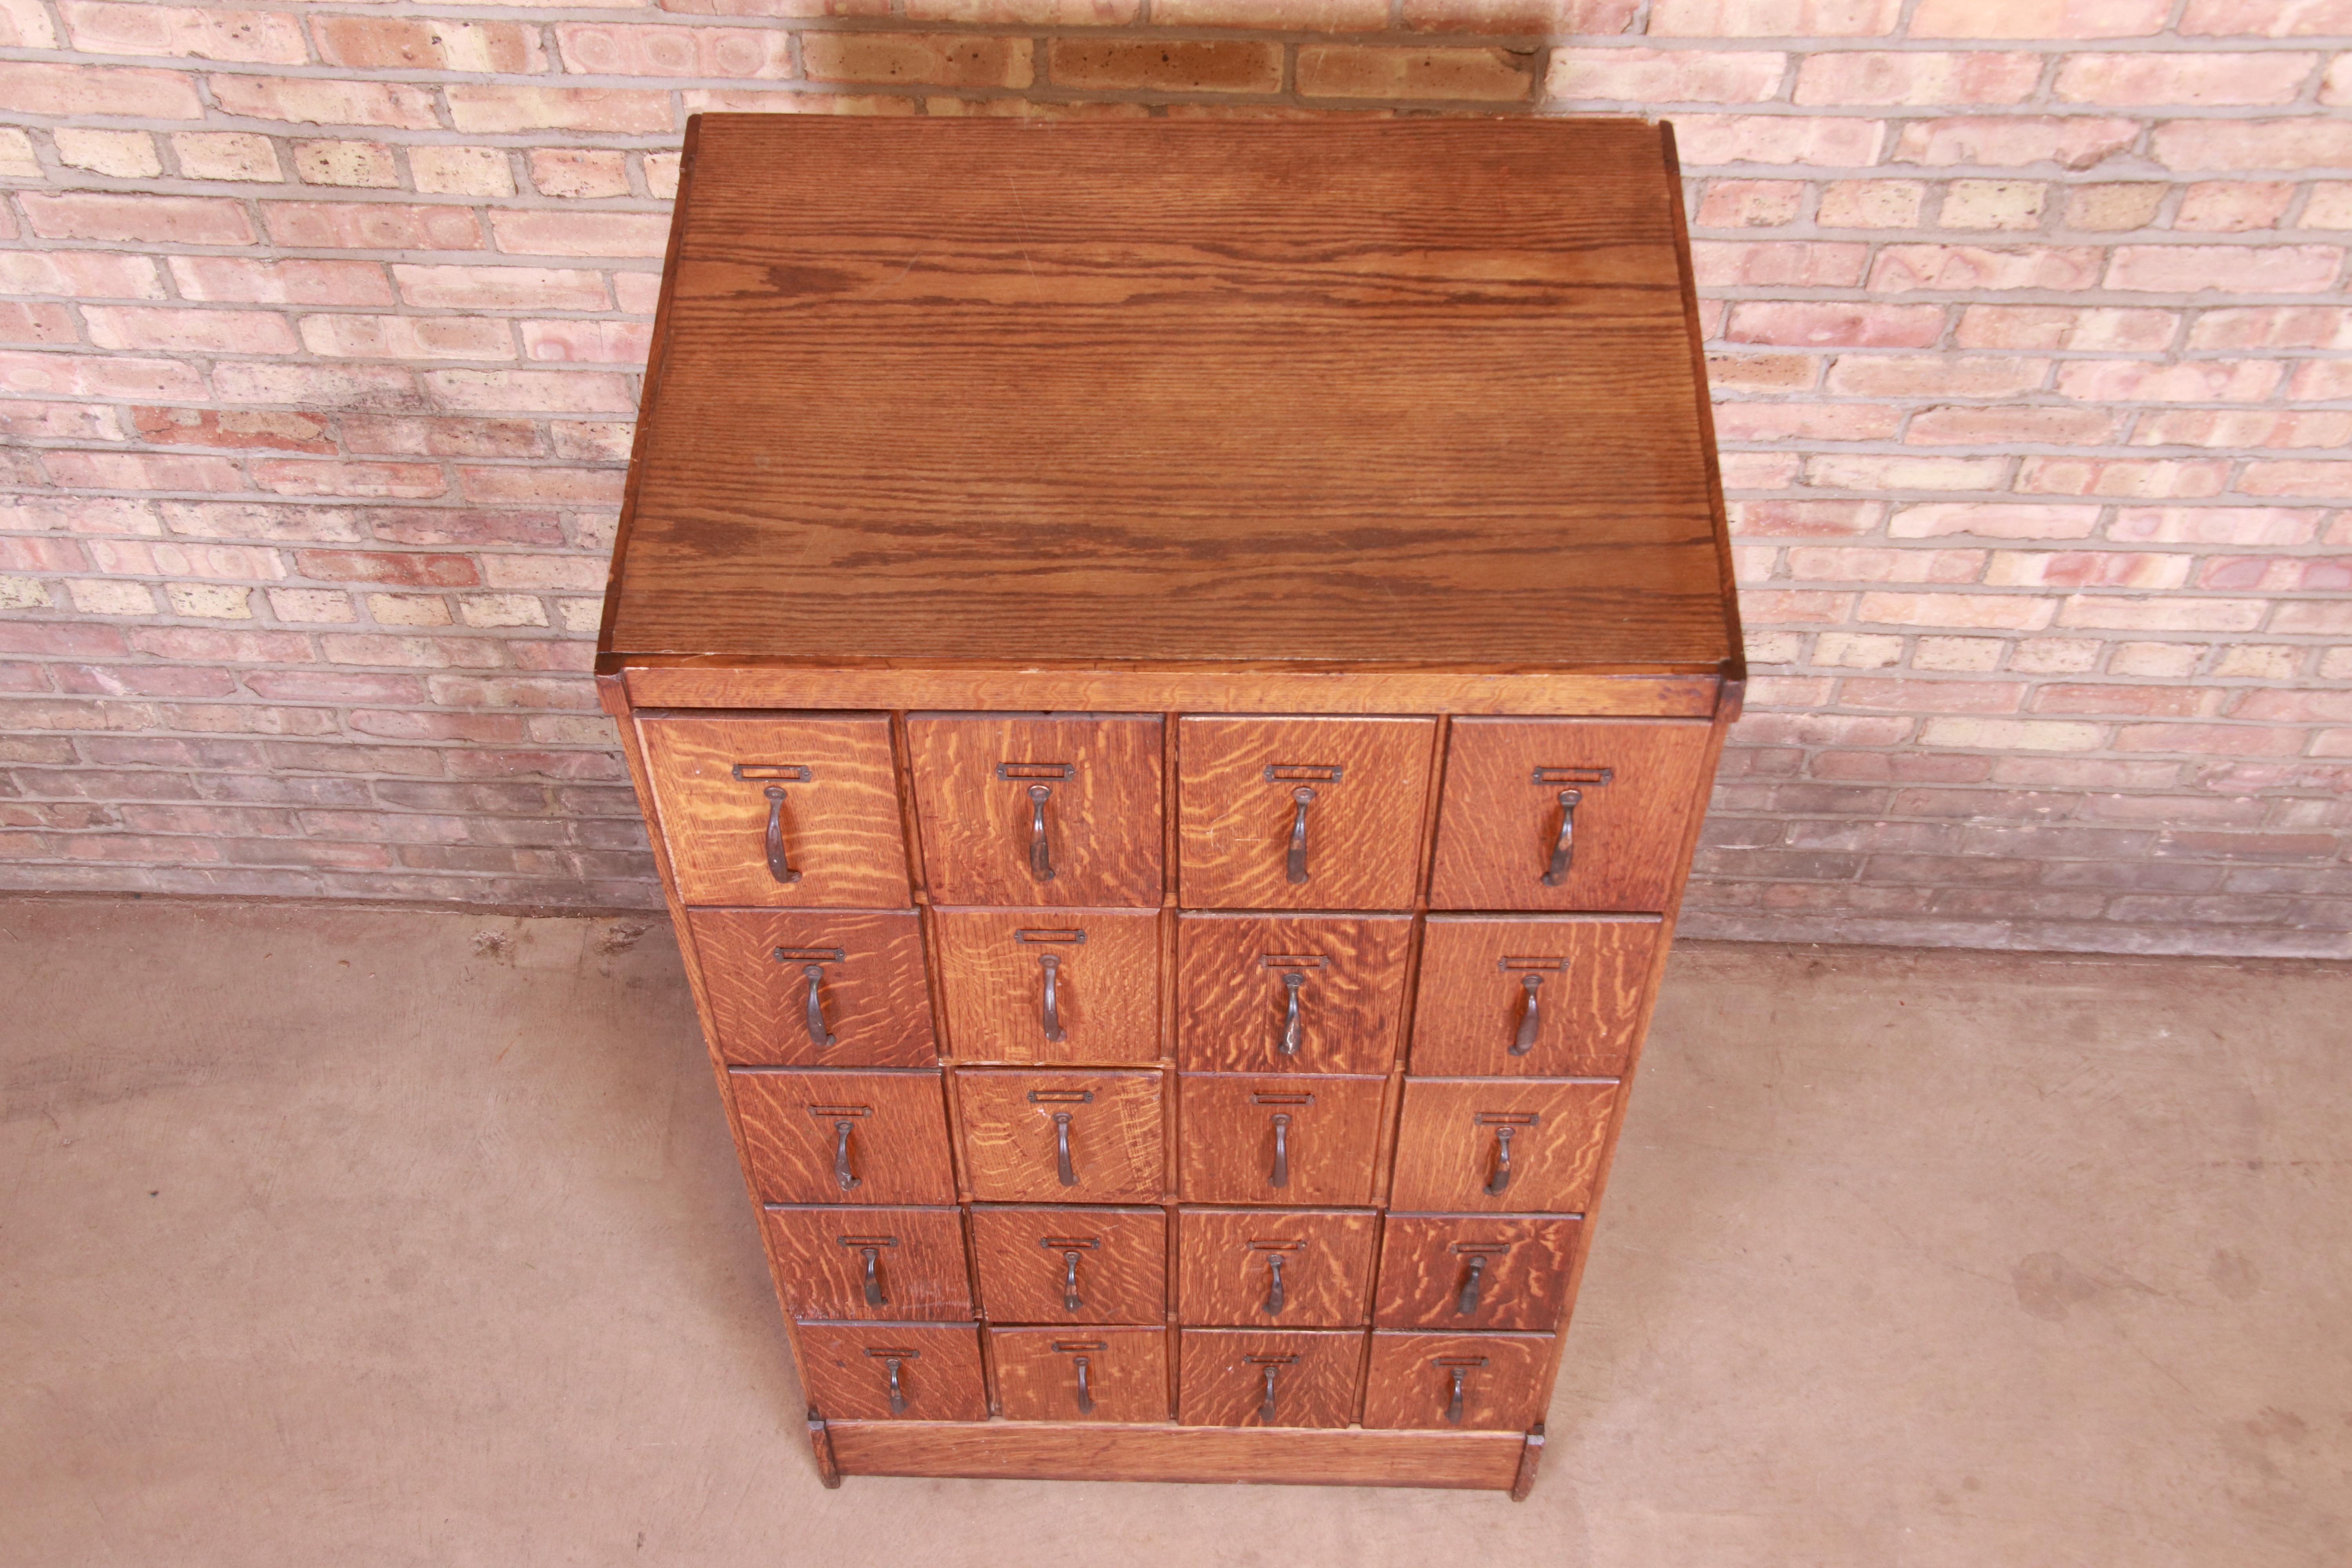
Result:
pixel 385 1238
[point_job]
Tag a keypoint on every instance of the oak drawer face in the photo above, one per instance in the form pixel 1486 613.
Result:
pixel 1458 1273
pixel 816 987
pixel 782 810
pixel 1096 1373
pixel 1485 1382
pixel 1500 1145
pixel 1289 993
pixel 1287 1268
pixel 1037 810
pixel 886 1371
pixel 1050 985
pixel 1055 1265
pixel 1072 1137
pixel 1567 814
pixel 1541 996
pixel 886 1263
pixel 844 1137
pixel 1309 1141
pixel 1301 814
pixel 1266 1377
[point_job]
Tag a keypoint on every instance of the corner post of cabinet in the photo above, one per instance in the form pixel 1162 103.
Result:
pixel 828 1469
pixel 1530 1456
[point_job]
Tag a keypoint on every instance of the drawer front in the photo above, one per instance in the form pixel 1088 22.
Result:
pixel 781 810
pixel 837 1261
pixel 1301 814
pixel 1064 985
pixel 1259 1377
pixel 1460 1272
pixel 1042 1265
pixel 844 1137
pixel 1274 1267
pixel 1557 996
pixel 886 1371
pixel 1500 1145
pixel 1289 993
pixel 1292 1141
pixel 1037 810
pixel 1095 1373
pixel 1566 814
pixel 816 988
pixel 1488 1382
pixel 1061 1137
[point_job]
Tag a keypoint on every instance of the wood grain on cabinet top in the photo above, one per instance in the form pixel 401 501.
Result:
pixel 1409 394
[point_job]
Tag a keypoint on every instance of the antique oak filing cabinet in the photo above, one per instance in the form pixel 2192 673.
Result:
pixel 1174 670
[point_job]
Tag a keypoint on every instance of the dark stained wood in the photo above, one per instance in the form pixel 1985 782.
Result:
pixel 1448 1143
pixel 1499 820
pixel 1409 1381
pixel 1106 969
pixel 1592 1000
pixel 1484 1461
pixel 845 1370
pixel 1221 1377
pixel 791 1131
pixel 1225 1266
pixel 918 1261
pixel 1240 779
pixel 1230 1139
pixel 821 1443
pixel 1011 1140
pixel 1522 1264
pixel 1037 1376
pixel 1530 1458
pixel 973 777
pixel 871 990
pixel 1232 1000
pixel 840 823
pixel 1020 1253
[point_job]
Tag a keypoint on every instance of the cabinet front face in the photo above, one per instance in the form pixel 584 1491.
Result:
pixel 1248 1139
pixel 1289 993
pixel 1072 1137
pixel 1061 985
pixel 1055 1265
pixel 1286 1269
pixel 837 1261
pixel 1260 1377
pixel 1548 997
pixel 1081 1373
pixel 1460 1272
pixel 844 1137
pixel 893 1372
pixel 779 810
pixel 1567 814
pixel 1038 810
pixel 816 988
pixel 1495 1145
pixel 1490 1382
pixel 1301 814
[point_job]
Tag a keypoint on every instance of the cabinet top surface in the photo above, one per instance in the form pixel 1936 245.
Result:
pixel 1412 393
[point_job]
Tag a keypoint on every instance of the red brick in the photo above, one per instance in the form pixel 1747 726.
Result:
pixel 1810 325
pixel 596 48
pixel 418 525
pixel 2138 380
pixel 2292 147
pixel 204 645
pixel 189 332
pixel 298 477
pixel 625 342
pixel 1804 520
pixel 2231 269
pixel 1851 79
pixel 351 386
pixel 551 391
pixel 259 520
pixel 2321 481
pixel 1751 204
pixel 542 484
pixel 505 111
pixel 137 219
pixel 1989 611
pixel 234 280
pixel 2071 142
pixel 2018 423
pixel 2129 477
pixel 96 376
pixel 1821 142
pixel 78 514
pixel 501 288
pixel 234 430
pixel 1792 606
pixel 1806 421
pixel 403 568
pixel 256 37
pixel 460 691
pixel 1819 563
pixel 2087 569
pixel 322 101
pixel 2321 380
pixel 144 471
pixel 1772 18
pixel 605 440
pixel 1972 267
pixel 1932 696
pixel 2161 614
pixel 581 233
pixel 2039 19
pixel 580 172
pixel 2228 525
pixel 83 274
pixel 79 92
pixel 44 422
pixel 1806 263
pixel 2183 79
pixel 37 325
pixel 37 554
pixel 348 336
pixel 2212 740
pixel 1664 76
pixel 441 438
pixel 2067 327
pixel 1302 16
pixel 1761 373
pixel 2267 18
pixel 373 225
pixel 1162 64
pixel 1944 376
pixel 2233 207
pixel 402 43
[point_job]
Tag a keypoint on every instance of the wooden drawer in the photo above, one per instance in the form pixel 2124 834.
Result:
pixel 1301 814
pixel 1289 993
pixel 1288 1268
pixel 1065 1136
pixel 1056 1265
pixel 816 988
pixel 823 1137
pixel 1500 1145
pixel 1061 985
pixel 1261 1377
pixel 837 1261
pixel 1032 809
pixel 1250 1138
pixel 1567 814
pixel 883 1372
pixel 1460 1272
pixel 1491 1383
pixel 1094 1374
pixel 1552 996
pixel 779 809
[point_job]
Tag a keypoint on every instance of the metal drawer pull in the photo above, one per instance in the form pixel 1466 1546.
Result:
pixel 1040 854
pixel 1563 848
pixel 778 866
pixel 1530 1016
pixel 1467 1303
pixel 1274 1299
pixel 1293 1025
pixel 818 1034
pixel 840 1156
pixel 898 1391
pixel 1502 1176
pixel 1070 1302
pixel 1086 1394
pixel 1062 1166
pixel 1266 1407
pixel 874 1295
pixel 1280 1175
pixel 1051 963
pixel 1304 798
pixel 1454 1405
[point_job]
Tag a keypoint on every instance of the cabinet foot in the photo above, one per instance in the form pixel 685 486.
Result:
pixel 821 1441
pixel 1529 1457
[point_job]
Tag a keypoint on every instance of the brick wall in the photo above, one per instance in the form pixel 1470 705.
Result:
pixel 322 327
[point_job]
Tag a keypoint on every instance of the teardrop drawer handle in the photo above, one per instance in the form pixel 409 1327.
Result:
pixel 818 1033
pixel 1501 1179
pixel 898 1391
pixel 1040 853
pixel 1070 1302
pixel 1050 1011
pixel 1563 848
pixel 874 1295
pixel 778 865
pixel 1280 1175
pixel 1467 1303
pixel 1086 1394
pixel 1274 1298
pixel 841 1171
pixel 1265 1407
pixel 1454 1406
pixel 1530 1016
pixel 1062 1166
pixel 1296 871
pixel 1293 1022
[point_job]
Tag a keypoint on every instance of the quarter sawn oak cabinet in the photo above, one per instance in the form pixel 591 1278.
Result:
pixel 1174 670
